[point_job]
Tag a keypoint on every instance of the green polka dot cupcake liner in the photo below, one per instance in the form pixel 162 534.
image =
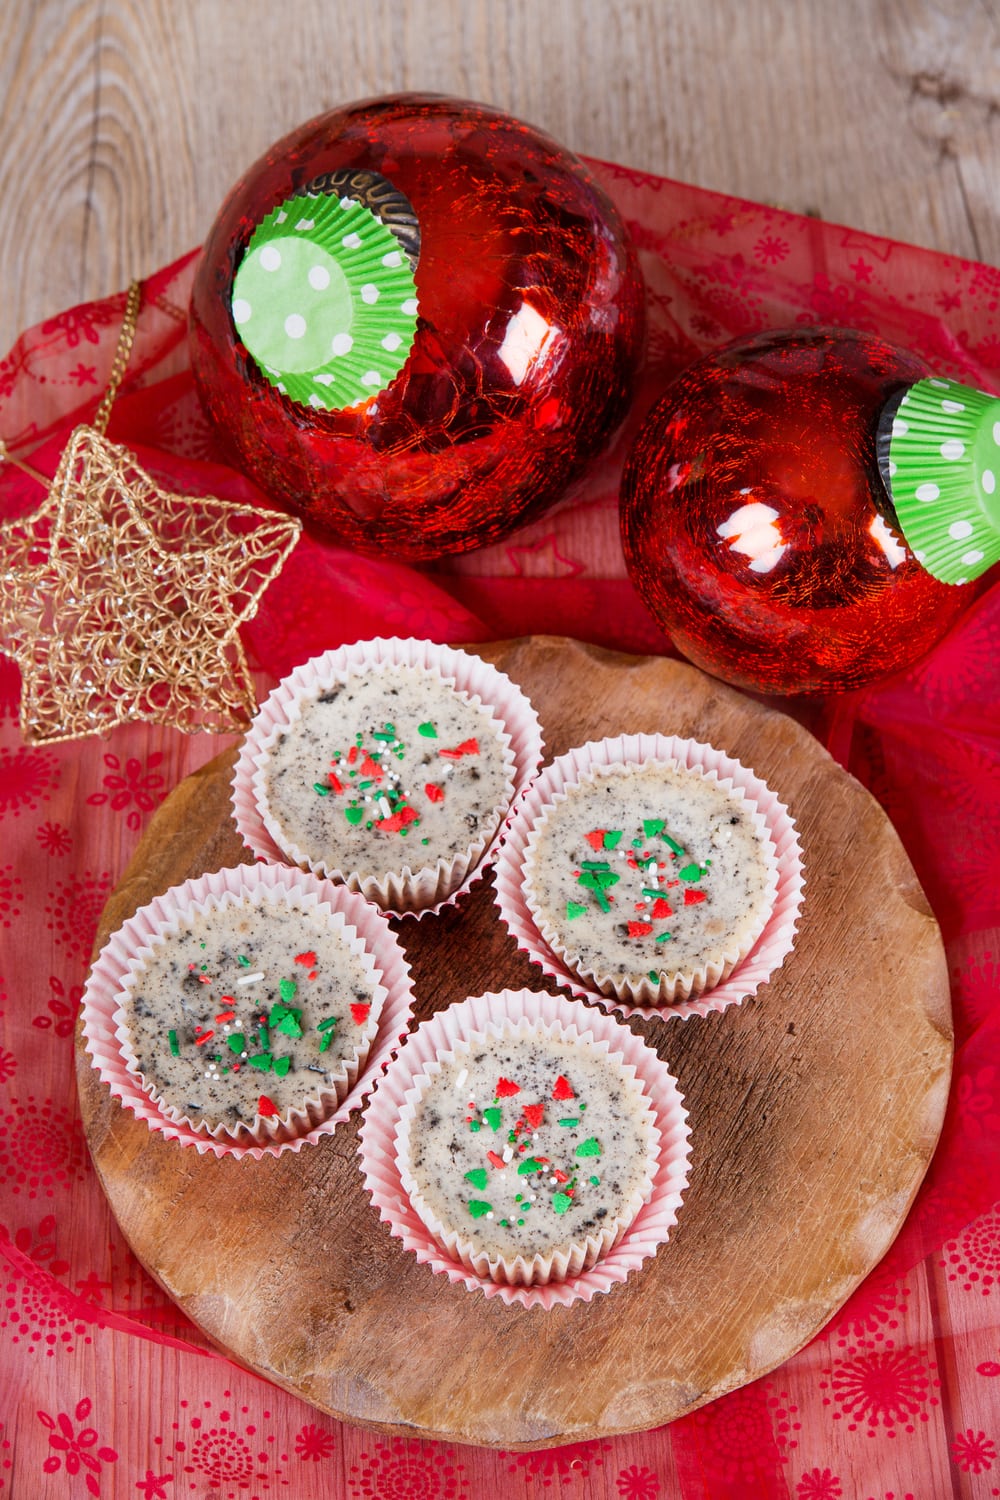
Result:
pixel 577 1271
pixel 944 477
pixel 325 303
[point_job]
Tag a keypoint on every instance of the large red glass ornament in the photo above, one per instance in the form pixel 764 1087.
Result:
pixel 531 322
pixel 756 525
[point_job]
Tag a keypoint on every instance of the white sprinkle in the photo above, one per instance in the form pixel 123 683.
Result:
pixel 384 808
pixel 508 1153
pixel 251 978
pixel 460 1080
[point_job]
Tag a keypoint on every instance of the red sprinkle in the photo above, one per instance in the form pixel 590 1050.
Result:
pixel 305 959
pixel 534 1114
pixel 662 908
pixel 434 793
pixel 371 768
pixel 200 1041
pixel 467 747
pixel 562 1090
pixel 335 783
pixel 359 1014
pixel 596 838
pixel 352 755
pixel 691 898
pixel 267 1107
pixel 398 820
pixel 225 1015
pixel 497 1161
pixel 639 929
pixel 560 1175
pixel 505 1088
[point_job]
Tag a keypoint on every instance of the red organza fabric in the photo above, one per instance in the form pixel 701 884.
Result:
pixel 105 1388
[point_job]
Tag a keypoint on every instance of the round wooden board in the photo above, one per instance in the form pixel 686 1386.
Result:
pixel 814 1111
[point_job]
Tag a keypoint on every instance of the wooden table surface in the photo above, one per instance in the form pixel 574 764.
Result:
pixel 124 122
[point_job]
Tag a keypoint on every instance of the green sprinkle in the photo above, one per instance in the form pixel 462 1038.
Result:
pixel 354 815
pixel 327 1040
pixel 261 1061
pixel 594 864
pixel 654 976
pixel 325 1025
pixel 574 909
pixel 281 1065
pixel 286 989
pixel 388 733
pixel 427 730
pixel 478 1177
pixel 518 1197
pixel 594 1181
pixel 637 843
pixel 237 1043
pixel 262 1037
pixel 613 838
pixel 652 826
pixel 520 1222
pixel 243 961
pixel 574 1121
pixel 425 841
pixel 475 1126
pixel 690 872
pixel 493 1117
pixel 663 937
pixel 526 1168
pixel 561 1202
pixel 321 788
pixel 175 1050
pixel 590 1147
pixel 477 1207
pixel 649 891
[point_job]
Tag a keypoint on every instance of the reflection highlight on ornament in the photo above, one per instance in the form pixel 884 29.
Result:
pixel 528 341
pixel 751 530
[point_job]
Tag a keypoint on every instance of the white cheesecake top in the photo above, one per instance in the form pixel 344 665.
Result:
pixel 250 1001
pixel 528 1144
pixel 388 770
pixel 643 871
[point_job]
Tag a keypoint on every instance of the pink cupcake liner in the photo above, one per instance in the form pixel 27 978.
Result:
pixel 771 948
pixel 106 1039
pixel 379 1163
pixel 405 892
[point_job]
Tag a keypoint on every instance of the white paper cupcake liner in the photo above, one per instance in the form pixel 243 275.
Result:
pixel 404 891
pixel 771 948
pixel 106 1037
pixel 379 1158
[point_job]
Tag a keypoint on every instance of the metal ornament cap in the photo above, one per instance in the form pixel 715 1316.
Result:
pixel 944 477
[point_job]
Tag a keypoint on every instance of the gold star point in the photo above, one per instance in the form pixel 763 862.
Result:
pixel 120 600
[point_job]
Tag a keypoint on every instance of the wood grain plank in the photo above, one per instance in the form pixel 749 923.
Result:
pixel 125 122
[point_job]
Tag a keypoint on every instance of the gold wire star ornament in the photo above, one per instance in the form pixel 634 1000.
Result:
pixel 120 600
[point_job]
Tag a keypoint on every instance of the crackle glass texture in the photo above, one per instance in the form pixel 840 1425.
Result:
pixel 530 333
pixel 755 524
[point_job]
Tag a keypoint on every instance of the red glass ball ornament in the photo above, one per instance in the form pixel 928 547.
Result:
pixel 756 526
pixel 529 336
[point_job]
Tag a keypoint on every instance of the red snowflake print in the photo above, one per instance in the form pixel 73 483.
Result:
pixel 229 1451
pixel 54 838
pixel 76 1449
pixel 27 778
pixel 819 1484
pixel 11 895
pixel 74 910
pixel 574 1461
pixel 735 1440
pixel 707 328
pixel 974 1259
pixel 978 1106
pixel 973 1451
pixel 41 1148
pixel 872 1314
pixel 84 374
pixel 131 783
pixel 405 1469
pixel 889 1389
pixel 634 1483
pixel 63 1006
pixel 40 1314
pixel 771 249
pixel 78 323
pixel 8 1066
pixel 314 1442
pixel 153 1487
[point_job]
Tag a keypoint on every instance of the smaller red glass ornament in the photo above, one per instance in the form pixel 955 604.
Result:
pixel 757 525
pixel 531 317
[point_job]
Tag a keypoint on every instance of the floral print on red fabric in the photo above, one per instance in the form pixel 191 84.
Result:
pixel 887 1391
pixel 131 783
pixel 41 1148
pixel 80 1451
pixel 819 1484
pixel 63 1007
pixel 974 1452
pixel 635 1483
pixel 405 1469
pixel 973 1260
pixel 54 838
pixel 566 1464
pixel 28 777
pixel 316 1443
pixel 74 909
